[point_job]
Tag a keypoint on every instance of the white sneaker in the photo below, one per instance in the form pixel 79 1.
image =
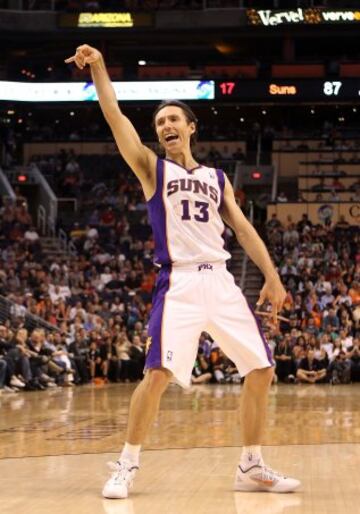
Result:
pixel 261 478
pixel 121 480
pixel 16 382
pixel 10 390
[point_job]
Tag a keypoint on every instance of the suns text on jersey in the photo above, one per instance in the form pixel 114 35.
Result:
pixel 193 186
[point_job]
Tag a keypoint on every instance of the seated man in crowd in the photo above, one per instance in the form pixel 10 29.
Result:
pixel 340 369
pixel 311 370
pixel 201 373
pixel 354 355
pixel 285 366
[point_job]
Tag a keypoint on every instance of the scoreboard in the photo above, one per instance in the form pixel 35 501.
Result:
pixel 261 91
pixel 288 90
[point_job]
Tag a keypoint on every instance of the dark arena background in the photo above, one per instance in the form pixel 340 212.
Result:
pixel 275 86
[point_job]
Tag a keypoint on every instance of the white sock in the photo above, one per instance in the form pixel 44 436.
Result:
pixel 131 453
pixel 250 456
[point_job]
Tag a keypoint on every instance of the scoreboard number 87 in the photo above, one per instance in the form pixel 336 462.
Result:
pixel 332 88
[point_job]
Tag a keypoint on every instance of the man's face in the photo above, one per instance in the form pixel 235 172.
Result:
pixel 173 129
pixel 36 337
pixel 136 340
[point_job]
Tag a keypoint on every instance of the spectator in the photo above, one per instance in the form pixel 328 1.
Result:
pixel 311 370
pixel 284 360
pixel 78 352
pixel 340 369
pixel 282 198
pixel 353 354
pixel 331 318
pixel 327 299
pixel 201 373
pixel 137 355
pixel 3 371
pixel 97 361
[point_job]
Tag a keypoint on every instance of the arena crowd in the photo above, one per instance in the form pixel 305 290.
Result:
pixel 95 305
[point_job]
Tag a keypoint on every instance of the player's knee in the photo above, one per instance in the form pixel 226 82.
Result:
pixel 260 379
pixel 157 380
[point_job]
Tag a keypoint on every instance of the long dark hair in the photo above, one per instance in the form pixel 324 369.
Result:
pixel 188 112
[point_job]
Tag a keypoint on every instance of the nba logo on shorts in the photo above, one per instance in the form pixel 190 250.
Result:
pixel 205 266
pixel 169 356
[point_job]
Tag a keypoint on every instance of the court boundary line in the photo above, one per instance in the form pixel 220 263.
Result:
pixel 173 449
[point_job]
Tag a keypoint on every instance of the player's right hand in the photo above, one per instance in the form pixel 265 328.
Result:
pixel 84 55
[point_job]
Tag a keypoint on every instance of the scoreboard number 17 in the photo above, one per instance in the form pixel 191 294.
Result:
pixel 227 88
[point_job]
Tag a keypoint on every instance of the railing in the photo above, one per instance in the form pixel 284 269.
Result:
pixel 51 227
pixel 41 220
pixel 47 227
pixel 246 258
pixel 52 5
pixel 258 149
pixel 274 188
pixel 66 202
pixel 223 4
pixel 47 208
pixel 47 195
pixel 65 244
pixel 228 165
pixel 29 5
pixel 5 187
pixel 8 310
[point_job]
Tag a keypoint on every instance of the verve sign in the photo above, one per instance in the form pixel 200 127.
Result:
pixel 268 17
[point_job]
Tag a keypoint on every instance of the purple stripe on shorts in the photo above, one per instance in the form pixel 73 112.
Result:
pixel 221 181
pixel 265 343
pixel 157 217
pixel 154 356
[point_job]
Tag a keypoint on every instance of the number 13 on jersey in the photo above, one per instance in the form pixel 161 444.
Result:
pixel 200 212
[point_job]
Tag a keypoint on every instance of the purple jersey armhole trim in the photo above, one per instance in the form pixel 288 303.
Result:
pixel 221 181
pixel 157 216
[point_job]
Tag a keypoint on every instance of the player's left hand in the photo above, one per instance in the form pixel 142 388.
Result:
pixel 274 292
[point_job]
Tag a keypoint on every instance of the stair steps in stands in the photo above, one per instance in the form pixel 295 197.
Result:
pixel 52 247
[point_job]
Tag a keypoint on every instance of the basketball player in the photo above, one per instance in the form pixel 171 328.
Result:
pixel 194 291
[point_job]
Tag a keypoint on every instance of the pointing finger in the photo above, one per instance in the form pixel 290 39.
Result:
pixel 274 311
pixel 261 299
pixel 70 59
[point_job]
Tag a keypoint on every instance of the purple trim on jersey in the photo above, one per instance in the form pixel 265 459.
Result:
pixel 183 167
pixel 221 180
pixel 265 343
pixel 224 240
pixel 154 355
pixel 157 217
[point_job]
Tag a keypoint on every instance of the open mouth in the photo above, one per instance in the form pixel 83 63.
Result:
pixel 171 137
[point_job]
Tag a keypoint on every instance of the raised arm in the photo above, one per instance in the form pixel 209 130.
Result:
pixel 140 158
pixel 253 245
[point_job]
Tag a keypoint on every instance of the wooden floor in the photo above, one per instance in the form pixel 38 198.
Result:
pixel 54 446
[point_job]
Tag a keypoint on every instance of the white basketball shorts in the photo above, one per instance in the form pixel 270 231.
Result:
pixel 194 298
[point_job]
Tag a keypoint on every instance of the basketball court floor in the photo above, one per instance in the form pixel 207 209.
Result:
pixel 54 446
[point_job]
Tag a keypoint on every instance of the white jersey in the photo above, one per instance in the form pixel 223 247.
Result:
pixel 184 214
